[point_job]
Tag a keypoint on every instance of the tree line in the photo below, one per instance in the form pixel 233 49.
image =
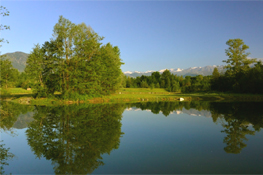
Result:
pixel 170 82
pixel 75 63
pixel 242 75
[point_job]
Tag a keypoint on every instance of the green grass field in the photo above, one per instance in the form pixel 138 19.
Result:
pixel 142 90
pixel 14 91
pixel 158 94
pixel 138 95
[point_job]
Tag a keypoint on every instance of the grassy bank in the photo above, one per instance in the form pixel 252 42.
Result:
pixel 133 95
pixel 15 91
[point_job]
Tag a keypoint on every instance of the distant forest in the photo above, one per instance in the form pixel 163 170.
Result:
pixel 75 63
pixel 242 75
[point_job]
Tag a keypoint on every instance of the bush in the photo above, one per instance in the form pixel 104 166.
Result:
pixel 40 92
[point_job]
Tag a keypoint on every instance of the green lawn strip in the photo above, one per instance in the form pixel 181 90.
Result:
pixel 135 95
pixel 143 90
pixel 14 91
pixel 142 97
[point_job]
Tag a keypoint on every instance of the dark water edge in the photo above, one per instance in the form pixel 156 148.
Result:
pixel 142 138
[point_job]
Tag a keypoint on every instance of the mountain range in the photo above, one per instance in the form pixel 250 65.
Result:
pixel 192 71
pixel 19 59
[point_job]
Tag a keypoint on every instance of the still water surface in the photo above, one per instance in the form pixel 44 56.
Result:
pixel 141 138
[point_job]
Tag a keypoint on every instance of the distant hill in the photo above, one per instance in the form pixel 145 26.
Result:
pixel 18 59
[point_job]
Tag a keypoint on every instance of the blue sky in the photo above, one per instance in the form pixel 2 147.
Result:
pixel 151 35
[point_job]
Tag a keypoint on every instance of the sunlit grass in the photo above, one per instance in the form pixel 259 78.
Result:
pixel 142 90
pixel 17 91
pixel 138 95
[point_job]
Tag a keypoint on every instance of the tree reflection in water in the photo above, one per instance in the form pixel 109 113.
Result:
pixel 9 114
pixel 75 137
pixel 5 155
pixel 238 117
pixel 235 117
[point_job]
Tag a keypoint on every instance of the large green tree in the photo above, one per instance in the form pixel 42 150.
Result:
pixel 75 62
pixel 238 66
pixel 237 54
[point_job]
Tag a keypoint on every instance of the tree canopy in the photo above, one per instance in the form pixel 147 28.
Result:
pixel 75 62
pixel 237 54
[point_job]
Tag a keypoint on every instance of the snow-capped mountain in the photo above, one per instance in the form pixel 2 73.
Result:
pixel 192 71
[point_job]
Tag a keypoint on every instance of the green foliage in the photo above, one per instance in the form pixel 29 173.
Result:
pixel 109 69
pixel 144 84
pixel 24 81
pixel 170 82
pixel 40 92
pixel 5 92
pixel 75 63
pixel 123 80
pixel 3 12
pixel 8 74
pixel 175 87
pixel 215 73
pixel 240 76
pixel 34 66
pixel 238 60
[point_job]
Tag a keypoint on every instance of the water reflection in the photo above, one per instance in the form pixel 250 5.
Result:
pixel 238 117
pixel 5 156
pixel 169 107
pixel 10 113
pixel 235 117
pixel 75 137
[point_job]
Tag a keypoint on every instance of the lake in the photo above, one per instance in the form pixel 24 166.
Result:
pixel 142 138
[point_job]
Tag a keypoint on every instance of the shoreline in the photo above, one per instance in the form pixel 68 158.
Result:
pixel 127 98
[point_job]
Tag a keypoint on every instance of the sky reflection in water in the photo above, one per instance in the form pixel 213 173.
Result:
pixel 164 137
